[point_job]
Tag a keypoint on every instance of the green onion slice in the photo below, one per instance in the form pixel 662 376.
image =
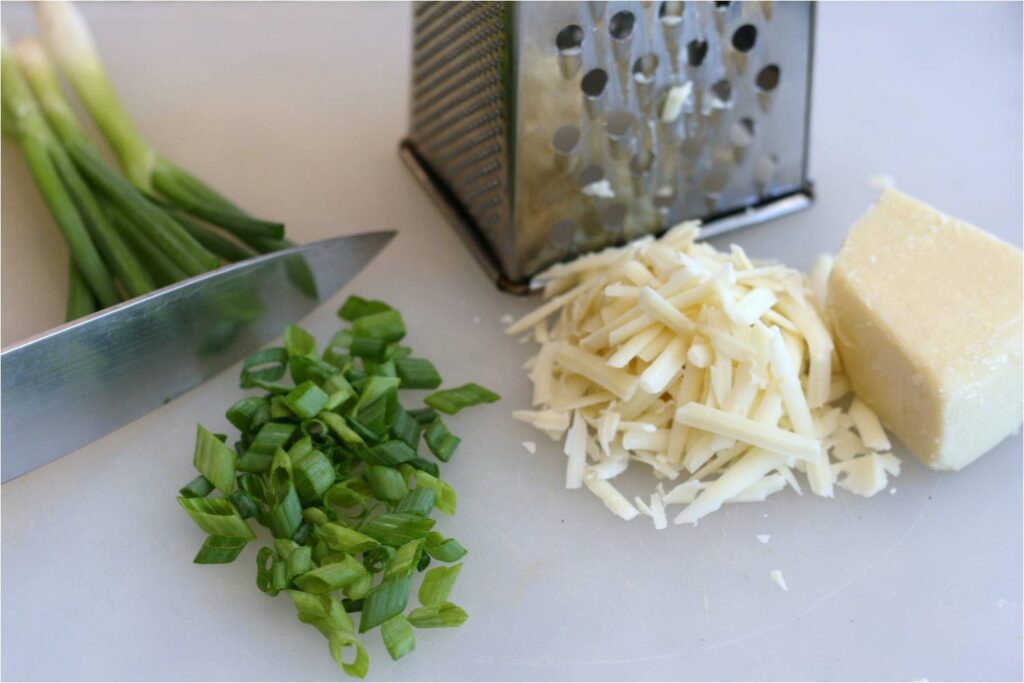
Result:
pixel 306 400
pixel 417 373
pixel 384 601
pixel 266 365
pixel 396 528
pixel 217 517
pixel 444 615
pixel 299 342
pixel 437 584
pixel 398 636
pixel 441 442
pixel 220 549
pixel 214 460
pixel 444 549
pixel 356 307
pixel 451 401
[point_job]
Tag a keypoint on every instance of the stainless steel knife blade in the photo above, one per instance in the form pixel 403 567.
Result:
pixel 71 385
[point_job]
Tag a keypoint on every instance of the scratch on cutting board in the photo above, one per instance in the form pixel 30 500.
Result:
pixel 740 639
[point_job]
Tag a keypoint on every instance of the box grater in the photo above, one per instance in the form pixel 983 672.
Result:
pixel 547 129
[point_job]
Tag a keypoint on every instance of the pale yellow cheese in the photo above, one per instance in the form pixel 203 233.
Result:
pixel 927 311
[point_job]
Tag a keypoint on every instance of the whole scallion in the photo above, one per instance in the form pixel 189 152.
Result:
pixel 71 43
pixel 40 146
pixel 331 467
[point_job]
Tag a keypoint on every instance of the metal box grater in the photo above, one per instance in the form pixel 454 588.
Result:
pixel 548 129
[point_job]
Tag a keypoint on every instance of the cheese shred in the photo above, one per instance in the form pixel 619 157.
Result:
pixel 716 371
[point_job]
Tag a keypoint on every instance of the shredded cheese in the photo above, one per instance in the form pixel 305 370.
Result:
pixel 717 372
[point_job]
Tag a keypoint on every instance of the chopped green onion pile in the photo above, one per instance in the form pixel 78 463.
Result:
pixel 127 234
pixel 330 463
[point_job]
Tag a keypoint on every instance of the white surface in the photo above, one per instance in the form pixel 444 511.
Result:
pixel 296 112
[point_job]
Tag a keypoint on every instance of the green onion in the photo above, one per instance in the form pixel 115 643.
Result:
pixel 249 413
pixel 386 483
pixel 447 501
pixel 444 615
pixel 210 239
pixel 345 540
pixel 313 474
pixel 39 144
pixel 356 307
pixel 396 528
pixel 220 550
pixel 389 453
pixel 417 373
pixel 440 441
pixel 200 487
pixel 405 560
pixel 331 577
pixel 417 502
pixel 398 636
pixel 71 43
pixel 423 465
pixel 244 503
pixel 375 403
pixel 298 342
pixel 271 437
pixel 370 349
pixel 216 516
pixel 164 270
pixel 42 78
pixel 451 401
pixel 423 415
pixel 406 429
pixel 81 302
pixel 306 400
pixel 214 460
pixel 384 602
pixel 444 549
pixel 359 665
pixel 265 364
pixel 332 467
pixel 437 584
pixel 386 326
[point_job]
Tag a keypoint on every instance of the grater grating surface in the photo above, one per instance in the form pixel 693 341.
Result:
pixel 548 129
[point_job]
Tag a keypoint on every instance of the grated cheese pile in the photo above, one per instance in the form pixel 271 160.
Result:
pixel 716 372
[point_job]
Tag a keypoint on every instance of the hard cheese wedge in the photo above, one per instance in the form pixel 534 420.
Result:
pixel 927 313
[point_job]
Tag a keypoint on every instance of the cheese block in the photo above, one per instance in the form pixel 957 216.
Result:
pixel 927 312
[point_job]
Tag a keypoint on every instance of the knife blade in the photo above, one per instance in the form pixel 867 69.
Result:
pixel 71 385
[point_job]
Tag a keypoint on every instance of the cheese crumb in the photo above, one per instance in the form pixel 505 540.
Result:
pixel 507 319
pixel 778 579
pixel 530 446
pixel 764 538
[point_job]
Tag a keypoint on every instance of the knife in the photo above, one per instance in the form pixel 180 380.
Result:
pixel 71 385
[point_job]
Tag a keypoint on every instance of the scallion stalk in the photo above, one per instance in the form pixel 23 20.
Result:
pixel 71 43
pixel 38 143
pixel 81 302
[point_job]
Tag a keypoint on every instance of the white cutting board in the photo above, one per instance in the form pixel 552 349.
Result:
pixel 296 112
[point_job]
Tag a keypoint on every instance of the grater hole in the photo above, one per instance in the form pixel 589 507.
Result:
pixel 671 13
pixel 744 38
pixel 590 175
pixel 722 5
pixel 569 39
pixel 565 139
pixel 619 123
pixel 715 181
pixel 645 67
pixel 664 198
pixel 768 78
pixel 614 216
pixel 562 233
pixel 722 91
pixel 642 162
pixel 594 82
pixel 741 133
pixel 690 147
pixel 696 51
pixel 764 169
pixel 620 26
